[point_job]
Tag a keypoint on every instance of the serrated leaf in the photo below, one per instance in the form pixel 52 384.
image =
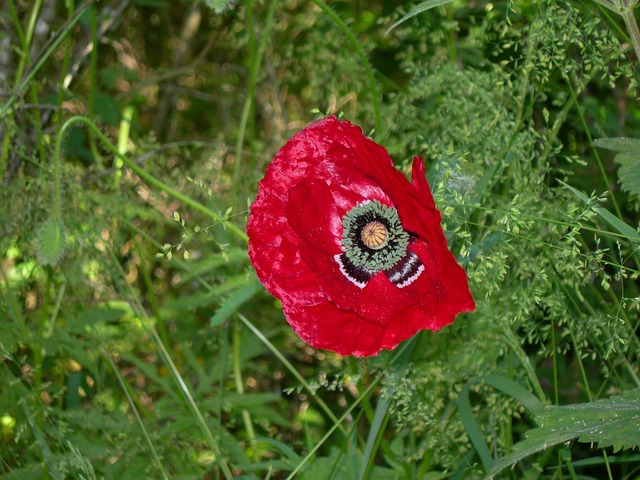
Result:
pixel 233 302
pixel 622 144
pixel 629 159
pixel 629 172
pixel 612 422
pixel 50 242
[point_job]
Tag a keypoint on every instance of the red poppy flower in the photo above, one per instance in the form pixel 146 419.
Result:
pixel 355 252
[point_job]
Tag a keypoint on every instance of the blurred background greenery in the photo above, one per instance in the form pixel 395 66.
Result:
pixel 135 340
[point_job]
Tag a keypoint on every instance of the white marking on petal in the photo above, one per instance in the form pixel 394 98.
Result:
pixel 406 275
pixel 411 279
pixel 344 272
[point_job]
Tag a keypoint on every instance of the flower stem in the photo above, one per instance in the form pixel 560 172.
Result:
pixel 36 68
pixel 238 232
pixel 256 62
pixel 632 25
pixel 237 376
pixel 363 58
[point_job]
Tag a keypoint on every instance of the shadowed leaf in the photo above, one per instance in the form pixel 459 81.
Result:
pixel 629 159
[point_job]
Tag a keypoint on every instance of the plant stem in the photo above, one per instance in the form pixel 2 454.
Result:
pixel 93 80
pixel 632 26
pixel 363 58
pixel 254 68
pixel 171 366
pixel 603 173
pixel 293 371
pixel 41 61
pixel 24 56
pixel 25 40
pixel 21 86
pixel 125 389
pixel 237 376
pixel 239 233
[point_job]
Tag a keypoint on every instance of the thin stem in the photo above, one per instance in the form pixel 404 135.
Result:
pixel 587 132
pixel 25 40
pixel 253 77
pixel 41 61
pixel 291 369
pixel 239 233
pixel 93 79
pixel 168 361
pixel 237 376
pixel 451 36
pixel 333 428
pixel 24 54
pixel 632 26
pixel 132 406
pixel 363 59
pixel 556 395
pixel 5 109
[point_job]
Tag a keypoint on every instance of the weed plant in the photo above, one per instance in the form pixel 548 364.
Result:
pixel 135 340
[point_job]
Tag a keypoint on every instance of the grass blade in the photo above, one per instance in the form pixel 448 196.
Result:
pixel 421 7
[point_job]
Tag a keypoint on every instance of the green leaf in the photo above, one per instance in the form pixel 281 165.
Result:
pixel 473 429
pixel 50 242
pixel 421 7
pixel 629 232
pixel 612 422
pixel 233 302
pixel 629 172
pixel 516 391
pixel 626 145
pixel 629 159
pixel 292 457
pixel 382 408
pixel 107 108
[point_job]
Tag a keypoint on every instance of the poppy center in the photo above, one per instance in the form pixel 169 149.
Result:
pixel 373 237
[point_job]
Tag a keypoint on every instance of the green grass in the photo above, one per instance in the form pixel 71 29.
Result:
pixel 135 339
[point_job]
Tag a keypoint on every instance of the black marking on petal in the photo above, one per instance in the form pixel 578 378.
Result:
pixel 406 271
pixel 359 276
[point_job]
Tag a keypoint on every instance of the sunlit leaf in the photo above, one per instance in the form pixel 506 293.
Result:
pixel 612 422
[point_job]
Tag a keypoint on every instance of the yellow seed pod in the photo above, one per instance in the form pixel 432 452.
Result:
pixel 374 235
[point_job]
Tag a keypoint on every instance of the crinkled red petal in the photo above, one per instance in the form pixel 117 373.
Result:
pixel 295 229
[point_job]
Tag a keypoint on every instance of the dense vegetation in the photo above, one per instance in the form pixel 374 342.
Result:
pixel 135 340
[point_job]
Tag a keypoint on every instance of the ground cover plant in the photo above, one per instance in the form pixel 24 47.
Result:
pixel 136 340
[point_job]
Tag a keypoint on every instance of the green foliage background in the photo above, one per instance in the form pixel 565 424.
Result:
pixel 135 340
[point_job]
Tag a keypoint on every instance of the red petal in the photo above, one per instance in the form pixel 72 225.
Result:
pixel 419 181
pixel 295 231
pixel 442 288
pixel 327 327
